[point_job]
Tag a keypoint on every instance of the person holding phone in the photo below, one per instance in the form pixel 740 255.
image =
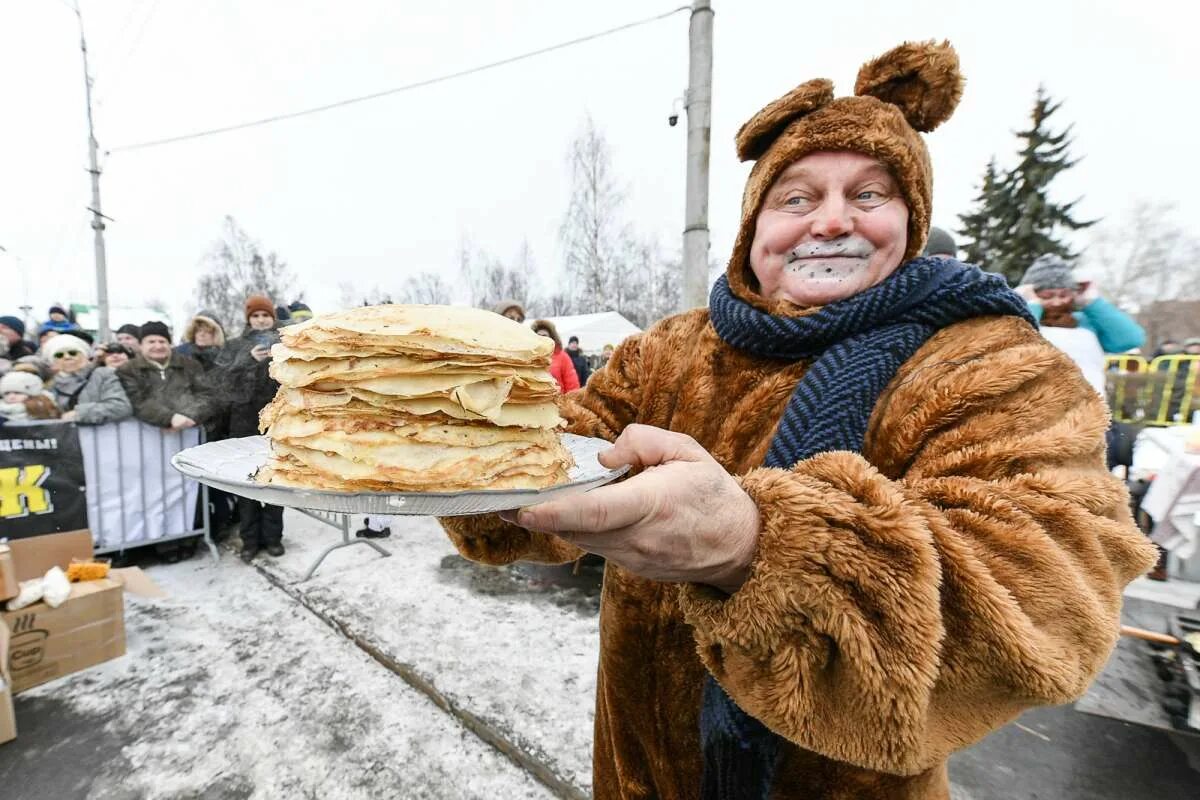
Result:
pixel 244 364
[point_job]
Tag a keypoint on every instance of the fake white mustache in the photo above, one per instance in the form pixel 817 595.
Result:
pixel 850 247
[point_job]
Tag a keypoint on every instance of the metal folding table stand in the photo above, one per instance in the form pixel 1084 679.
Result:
pixel 342 523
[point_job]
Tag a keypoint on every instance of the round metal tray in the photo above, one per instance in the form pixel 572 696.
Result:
pixel 230 465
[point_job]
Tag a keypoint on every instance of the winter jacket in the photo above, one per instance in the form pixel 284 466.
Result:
pixel 1116 330
pixel 563 371
pixel 101 399
pixel 19 349
pixel 246 383
pixel 178 388
pixel 205 356
pixel 582 370
pixel 902 603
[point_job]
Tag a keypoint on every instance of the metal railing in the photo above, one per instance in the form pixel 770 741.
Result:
pixel 134 496
pixel 1158 392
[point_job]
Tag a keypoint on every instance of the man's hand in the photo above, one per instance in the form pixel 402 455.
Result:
pixel 180 422
pixel 69 416
pixel 260 352
pixel 682 519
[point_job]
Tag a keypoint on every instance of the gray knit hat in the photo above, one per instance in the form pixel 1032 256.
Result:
pixel 1050 272
pixel 940 243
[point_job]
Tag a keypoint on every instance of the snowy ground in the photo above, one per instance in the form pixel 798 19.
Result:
pixel 232 689
pixel 414 676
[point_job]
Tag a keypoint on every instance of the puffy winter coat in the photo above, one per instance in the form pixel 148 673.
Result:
pixel 100 399
pixel 178 388
pixel 903 602
pixel 563 371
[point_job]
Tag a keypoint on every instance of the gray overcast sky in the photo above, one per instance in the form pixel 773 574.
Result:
pixel 379 190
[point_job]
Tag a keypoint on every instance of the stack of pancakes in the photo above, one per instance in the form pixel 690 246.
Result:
pixel 413 398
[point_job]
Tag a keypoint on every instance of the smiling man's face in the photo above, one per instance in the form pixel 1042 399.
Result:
pixel 832 225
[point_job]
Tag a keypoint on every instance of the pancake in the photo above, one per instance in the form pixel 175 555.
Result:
pixel 413 399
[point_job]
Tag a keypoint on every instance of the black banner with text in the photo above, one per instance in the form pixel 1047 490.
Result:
pixel 41 480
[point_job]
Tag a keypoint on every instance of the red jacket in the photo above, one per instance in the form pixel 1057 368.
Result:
pixel 563 371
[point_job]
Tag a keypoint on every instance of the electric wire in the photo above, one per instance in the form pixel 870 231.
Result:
pixel 398 89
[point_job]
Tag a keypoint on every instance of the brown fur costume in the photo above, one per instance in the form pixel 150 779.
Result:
pixel 903 602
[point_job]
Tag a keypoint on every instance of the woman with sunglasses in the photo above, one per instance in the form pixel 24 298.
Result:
pixel 86 393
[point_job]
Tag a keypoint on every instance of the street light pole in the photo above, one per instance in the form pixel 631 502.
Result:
pixel 698 103
pixel 97 215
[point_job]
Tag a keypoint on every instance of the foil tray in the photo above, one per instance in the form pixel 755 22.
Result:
pixel 230 465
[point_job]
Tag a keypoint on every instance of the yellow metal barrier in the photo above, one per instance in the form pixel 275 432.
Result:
pixel 1164 391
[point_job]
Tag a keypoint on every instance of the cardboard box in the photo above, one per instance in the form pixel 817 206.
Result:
pixel 8 722
pixel 47 643
pixel 89 628
pixel 8 574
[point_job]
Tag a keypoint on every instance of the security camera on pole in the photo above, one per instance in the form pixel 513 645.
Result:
pixel 698 103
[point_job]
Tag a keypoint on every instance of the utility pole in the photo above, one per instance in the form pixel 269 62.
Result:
pixel 698 103
pixel 97 217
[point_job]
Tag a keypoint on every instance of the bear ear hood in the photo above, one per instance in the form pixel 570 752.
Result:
pixel 922 79
pixel 763 128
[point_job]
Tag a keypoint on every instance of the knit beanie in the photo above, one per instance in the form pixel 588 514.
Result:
pixel 132 330
pixel 300 311
pixel 907 91
pixel 940 243
pixel 23 382
pixel 154 328
pixel 1050 272
pixel 14 323
pixel 259 302
pixel 65 341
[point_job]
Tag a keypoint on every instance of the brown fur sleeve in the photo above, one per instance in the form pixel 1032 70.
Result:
pixel 602 409
pixel 896 614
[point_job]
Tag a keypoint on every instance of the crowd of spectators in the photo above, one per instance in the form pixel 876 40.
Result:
pixel 206 380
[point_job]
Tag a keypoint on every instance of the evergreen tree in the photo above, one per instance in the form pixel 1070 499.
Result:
pixel 1015 221
pixel 985 228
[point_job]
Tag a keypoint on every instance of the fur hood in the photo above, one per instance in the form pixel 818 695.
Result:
pixel 189 333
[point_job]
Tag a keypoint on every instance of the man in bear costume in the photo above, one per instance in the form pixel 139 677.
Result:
pixel 869 519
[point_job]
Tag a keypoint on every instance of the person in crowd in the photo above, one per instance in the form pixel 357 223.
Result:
pixel 203 338
pixel 283 317
pixel 128 336
pixel 1075 318
pixel 244 365
pixel 578 360
pixel 940 245
pixel 1170 346
pixel 86 393
pixel 35 365
pixel 45 335
pixel 605 354
pixel 1191 346
pixel 300 311
pixel 167 389
pixel 511 309
pixel 12 330
pixel 58 320
pixel 23 397
pixel 560 363
pixel 116 354
pixel 868 520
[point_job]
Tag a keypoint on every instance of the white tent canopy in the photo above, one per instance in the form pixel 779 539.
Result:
pixel 595 330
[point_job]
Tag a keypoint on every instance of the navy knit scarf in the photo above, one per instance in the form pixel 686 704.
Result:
pixel 858 345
